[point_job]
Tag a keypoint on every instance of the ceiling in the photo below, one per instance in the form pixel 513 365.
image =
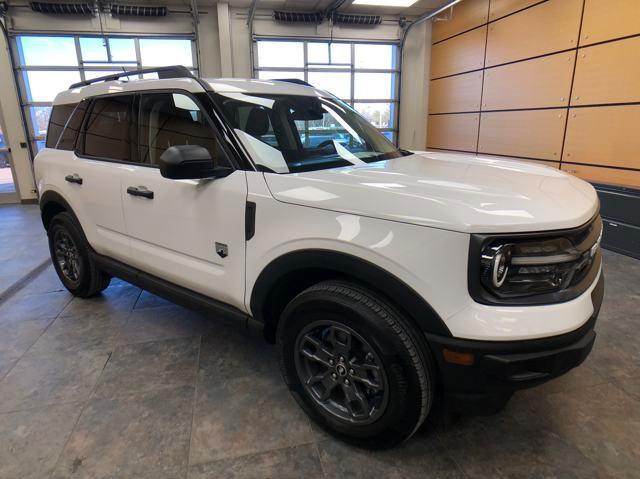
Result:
pixel 418 8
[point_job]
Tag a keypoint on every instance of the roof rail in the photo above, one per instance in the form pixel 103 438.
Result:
pixel 175 71
pixel 297 81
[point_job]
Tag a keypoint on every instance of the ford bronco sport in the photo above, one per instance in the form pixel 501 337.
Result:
pixel 385 277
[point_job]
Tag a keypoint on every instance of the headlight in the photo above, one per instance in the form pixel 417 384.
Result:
pixel 524 266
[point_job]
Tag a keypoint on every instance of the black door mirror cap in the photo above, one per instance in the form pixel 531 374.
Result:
pixel 190 162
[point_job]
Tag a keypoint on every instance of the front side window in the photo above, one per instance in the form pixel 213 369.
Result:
pixel 293 133
pixel 171 119
pixel 109 129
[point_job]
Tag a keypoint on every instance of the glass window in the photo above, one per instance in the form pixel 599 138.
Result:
pixel 157 52
pixel 374 86
pixel 109 129
pixel 374 56
pixel 281 54
pixel 59 117
pixel 40 50
pixel 45 85
pixel 374 93
pixel 124 50
pixel 279 75
pixel 291 133
pixel 70 133
pixel 337 83
pixel 3 142
pixel 93 49
pixel 39 119
pixel 170 119
pixel 91 74
pixel 380 115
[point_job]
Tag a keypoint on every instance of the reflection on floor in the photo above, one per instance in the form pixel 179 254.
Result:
pixel 129 385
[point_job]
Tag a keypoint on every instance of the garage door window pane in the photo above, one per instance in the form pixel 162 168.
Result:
pixel 334 82
pixel 374 56
pixel 281 54
pixel 93 49
pixel 40 119
pixel 279 75
pixel 374 86
pixel 379 115
pixel 38 51
pixel 45 85
pixel 124 49
pixel 155 52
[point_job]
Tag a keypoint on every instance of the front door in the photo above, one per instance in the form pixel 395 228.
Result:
pixel 189 232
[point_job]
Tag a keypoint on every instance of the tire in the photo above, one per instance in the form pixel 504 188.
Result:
pixel 381 401
pixel 70 253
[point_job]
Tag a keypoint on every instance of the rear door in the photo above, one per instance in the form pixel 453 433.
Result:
pixel 177 227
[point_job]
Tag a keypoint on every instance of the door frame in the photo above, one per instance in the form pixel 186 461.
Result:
pixel 12 197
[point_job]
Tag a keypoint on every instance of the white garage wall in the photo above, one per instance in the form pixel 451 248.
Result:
pixel 212 39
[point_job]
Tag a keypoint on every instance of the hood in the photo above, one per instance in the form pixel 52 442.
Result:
pixel 458 192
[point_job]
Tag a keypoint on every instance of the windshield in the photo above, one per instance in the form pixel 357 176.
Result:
pixel 294 133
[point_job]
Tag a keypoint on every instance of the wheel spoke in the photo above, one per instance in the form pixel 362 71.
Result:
pixel 327 383
pixel 340 340
pixel 355 398
pixel 367 374
pixel 319 354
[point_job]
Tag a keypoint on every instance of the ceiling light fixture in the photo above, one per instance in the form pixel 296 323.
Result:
pixel 385 3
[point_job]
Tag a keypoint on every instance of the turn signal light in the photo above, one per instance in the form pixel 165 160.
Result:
pixel 455 357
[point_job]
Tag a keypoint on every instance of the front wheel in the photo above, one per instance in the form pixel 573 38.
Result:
pixel 355 364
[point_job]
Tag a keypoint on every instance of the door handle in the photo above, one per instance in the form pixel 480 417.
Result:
pixel 140 191
pixel 75 178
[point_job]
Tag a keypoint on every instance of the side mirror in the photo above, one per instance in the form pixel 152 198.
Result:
pixel 189 162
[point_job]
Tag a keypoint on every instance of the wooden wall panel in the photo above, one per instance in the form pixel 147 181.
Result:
pixel 500 8
pixel 612 176
pixel 456 94
pixel 545 28
pixel 607 136
pixel 543 82
pixel 608 73
pixel 453 132
pixel 608 19
pixel 530 133
pixel 459 54
pixel 464 16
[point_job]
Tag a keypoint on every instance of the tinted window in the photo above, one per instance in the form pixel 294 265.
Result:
pixel 70 133
pixel 59 116
pixel 109 129
pixel 170 119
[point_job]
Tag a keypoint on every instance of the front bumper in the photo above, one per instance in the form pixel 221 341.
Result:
pixel 495 369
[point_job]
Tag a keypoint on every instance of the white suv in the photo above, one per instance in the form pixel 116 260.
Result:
pixel 387 278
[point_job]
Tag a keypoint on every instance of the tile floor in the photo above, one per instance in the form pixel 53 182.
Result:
pixel 128 385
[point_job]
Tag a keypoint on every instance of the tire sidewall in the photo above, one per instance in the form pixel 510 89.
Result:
pixel 404 405
pixel 65 222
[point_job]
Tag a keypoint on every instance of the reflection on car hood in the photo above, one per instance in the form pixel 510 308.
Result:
pixel 451 191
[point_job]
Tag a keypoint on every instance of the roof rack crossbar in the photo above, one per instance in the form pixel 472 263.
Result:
pixel 175 71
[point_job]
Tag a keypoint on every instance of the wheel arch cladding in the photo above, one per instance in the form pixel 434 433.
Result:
pixel 286 276
pixel 52 203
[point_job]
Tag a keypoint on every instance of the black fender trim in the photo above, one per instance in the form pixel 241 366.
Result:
pixel 49 197
pixel 367 273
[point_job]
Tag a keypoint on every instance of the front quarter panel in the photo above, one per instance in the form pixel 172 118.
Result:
pixel 431 261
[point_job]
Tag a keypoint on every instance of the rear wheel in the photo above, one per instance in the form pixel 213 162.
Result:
pixel 70 253
pixel 355 364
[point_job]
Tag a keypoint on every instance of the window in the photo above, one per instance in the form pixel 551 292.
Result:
pixel 70 133
pixel 49 64
pixel 292 133
pixel 109 129
pixel 362 74
pixel 59 117
pixel 170 119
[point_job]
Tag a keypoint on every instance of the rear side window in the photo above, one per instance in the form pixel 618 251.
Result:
pixel 109 129
pixel 59 116
pixel 70 133
pixel 170 119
